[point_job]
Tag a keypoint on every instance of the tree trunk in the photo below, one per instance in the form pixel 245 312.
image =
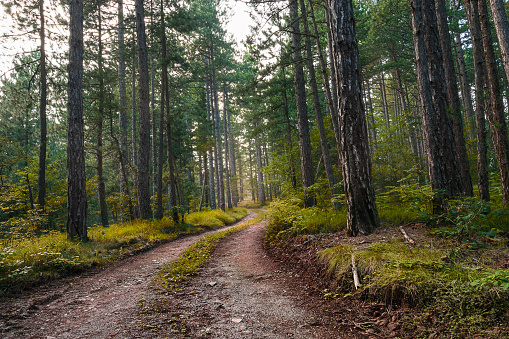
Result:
pixel 219 151
pixel 219 142
pixel 233 167
pixel 362 214
pixel 226 149
pixel 210 118
pixel 171 169
pixel 498 11
pixel 241 181
pixel 302 114
pixel 464 87
pixel 334 87
pixel 411 131
pixel 164 100
pixel 101 189
pixel 134 124
pixel 442 158
pixel 496 118
pixel 453 98
pixel 332 105
pixel 143 188
pixel 480 100
pixel 41 198
pixel 383 95
pixel 122 92
pixel 293 176
pixel 152 108
pixel 76 180
pixel 371 116
pixel 259 165
pixel 329 171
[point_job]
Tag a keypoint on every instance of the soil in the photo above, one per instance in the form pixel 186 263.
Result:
pixel 245 291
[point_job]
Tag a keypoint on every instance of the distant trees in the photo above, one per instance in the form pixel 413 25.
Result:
pixel 208 128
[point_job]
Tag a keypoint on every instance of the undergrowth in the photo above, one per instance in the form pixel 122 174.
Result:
pixel 31 259
pixel 456 283
pixel 172 275
pixel 288 219
pixel 444 284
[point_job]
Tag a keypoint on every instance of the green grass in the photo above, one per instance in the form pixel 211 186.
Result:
pixel 29 260
pixel 288 219
pixel 172 275
pixel 216 218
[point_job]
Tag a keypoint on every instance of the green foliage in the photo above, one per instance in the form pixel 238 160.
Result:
pixel 473 221
pixel 288 219
pixel 493 278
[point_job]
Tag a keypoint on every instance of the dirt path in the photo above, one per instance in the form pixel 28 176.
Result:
pixel 94 305
pixel 241 293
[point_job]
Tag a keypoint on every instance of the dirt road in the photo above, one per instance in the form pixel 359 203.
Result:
pixel 241 293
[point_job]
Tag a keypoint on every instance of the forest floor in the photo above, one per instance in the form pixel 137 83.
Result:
pixel 243 292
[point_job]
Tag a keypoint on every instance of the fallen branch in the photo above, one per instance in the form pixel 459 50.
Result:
pixel 356 281
pixel 408 239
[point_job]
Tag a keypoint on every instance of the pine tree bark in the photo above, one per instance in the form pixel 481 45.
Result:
pixel 288 125
pixel 219 142
pixel 227 149
pixel 496 117
pixel 481 102
pixel 334 87
pixel 441 153
pixel 329 171
pixel 302 114
pixel 362 214
pixel 122 93
pixel 76 180
pixel 171 169
pixel 101 189
pixel 466 96
pixel 134 124
pixel 143 188
pixel 383 95
pixel 453 98
pixel 259 165
pixel 332 106
pixel 164 100
pixel 231 157
pixel 41 183
pixel 498 12
pixel 210 119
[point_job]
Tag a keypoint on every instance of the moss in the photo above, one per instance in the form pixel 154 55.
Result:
pixel 436 281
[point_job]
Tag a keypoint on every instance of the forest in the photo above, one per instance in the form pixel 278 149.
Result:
pixel 131 121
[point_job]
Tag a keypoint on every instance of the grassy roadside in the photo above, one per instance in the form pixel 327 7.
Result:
pixel 28 260
pixel 454 282
pixel 196 256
